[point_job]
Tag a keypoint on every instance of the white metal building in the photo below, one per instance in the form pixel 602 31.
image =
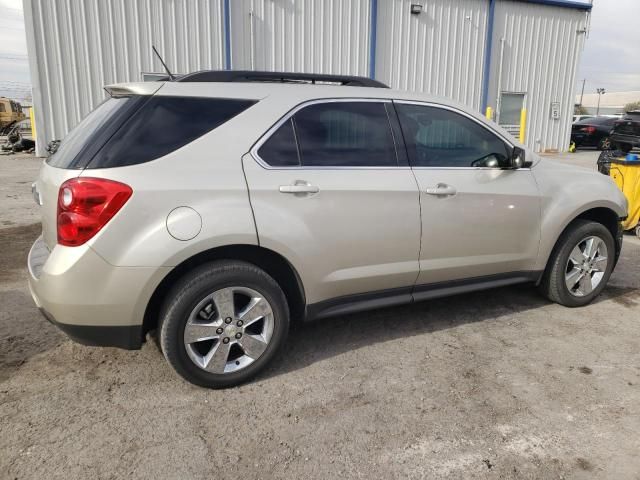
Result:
pixel 508 55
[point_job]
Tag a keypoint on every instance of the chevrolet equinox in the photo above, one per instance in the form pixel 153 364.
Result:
pixel 218 208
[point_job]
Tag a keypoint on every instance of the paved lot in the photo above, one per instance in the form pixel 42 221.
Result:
pixel 496 384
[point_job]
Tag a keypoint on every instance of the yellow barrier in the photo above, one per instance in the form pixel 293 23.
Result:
pixel 523 124
pixel 33 123
pixel 489 113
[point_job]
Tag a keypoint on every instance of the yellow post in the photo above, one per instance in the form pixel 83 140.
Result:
pixel 489 113
pixel 33 123
pixel 523 124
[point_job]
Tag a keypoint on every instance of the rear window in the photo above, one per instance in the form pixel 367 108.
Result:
pixel 134 130
pixel 66 156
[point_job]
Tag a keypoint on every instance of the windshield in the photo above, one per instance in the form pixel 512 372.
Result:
pixel 77 138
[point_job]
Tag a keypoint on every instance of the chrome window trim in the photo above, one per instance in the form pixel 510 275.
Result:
pixel 265 136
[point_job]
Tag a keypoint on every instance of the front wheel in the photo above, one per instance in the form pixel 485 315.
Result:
pixel 580 265
pixel 223 323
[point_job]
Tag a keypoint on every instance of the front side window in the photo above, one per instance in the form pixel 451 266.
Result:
pixel 436 137
pixel 345 134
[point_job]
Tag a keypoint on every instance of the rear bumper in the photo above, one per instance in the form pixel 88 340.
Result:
pixel 93 302
pixel 126 337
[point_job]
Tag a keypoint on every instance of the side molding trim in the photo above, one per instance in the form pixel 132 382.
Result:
pixel 401 296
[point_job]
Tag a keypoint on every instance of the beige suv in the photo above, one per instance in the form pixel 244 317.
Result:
pixel 221 207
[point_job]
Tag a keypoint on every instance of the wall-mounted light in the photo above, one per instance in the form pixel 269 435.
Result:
pixel 416 9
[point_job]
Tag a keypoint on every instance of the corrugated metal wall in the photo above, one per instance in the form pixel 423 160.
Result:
pixel 542 49
pixel 77 47
pixel 439 51
pixel 328 36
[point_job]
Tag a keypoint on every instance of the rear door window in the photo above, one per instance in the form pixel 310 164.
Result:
pixel 345 134
pixel 280 149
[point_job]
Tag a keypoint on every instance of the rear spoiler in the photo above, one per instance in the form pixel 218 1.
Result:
pixel 138 88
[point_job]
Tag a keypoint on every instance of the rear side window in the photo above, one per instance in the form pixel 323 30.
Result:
pixel 345 134
pixel 280 149
pixel 164 124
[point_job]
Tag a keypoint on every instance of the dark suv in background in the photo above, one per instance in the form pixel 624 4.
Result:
pixel 626 132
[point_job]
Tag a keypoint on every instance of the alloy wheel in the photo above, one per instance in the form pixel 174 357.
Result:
pixel 586 266
pixel 228 330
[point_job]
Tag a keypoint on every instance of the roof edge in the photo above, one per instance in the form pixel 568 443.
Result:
pixel 578 5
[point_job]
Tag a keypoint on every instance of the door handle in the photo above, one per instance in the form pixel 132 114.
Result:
pixel 441 189
pixel 300 188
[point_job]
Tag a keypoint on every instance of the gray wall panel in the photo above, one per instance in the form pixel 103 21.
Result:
pixel 543 45
pixel 440 51
pixel 77 47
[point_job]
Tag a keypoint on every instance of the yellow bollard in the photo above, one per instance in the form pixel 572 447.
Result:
pixel 489 113
pixel 523 124
pixel 33 123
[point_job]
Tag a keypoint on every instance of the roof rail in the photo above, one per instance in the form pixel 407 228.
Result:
pixel 282 77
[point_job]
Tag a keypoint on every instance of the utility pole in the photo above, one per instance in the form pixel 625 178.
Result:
pixel 582 93
pixel 600 93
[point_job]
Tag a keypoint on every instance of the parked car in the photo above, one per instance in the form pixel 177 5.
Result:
pixel 219 208
pixel 626 132
pixel 593 132
pixel 578 118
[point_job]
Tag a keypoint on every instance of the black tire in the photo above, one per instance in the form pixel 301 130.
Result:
pixel 553 284
pixel 605 144
pixel 190 290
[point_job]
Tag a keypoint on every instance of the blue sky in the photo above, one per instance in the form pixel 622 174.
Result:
pixel 610 58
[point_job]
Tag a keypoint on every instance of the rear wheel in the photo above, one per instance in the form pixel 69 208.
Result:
pixel 223 323
pixel 580 265
pixel 605 144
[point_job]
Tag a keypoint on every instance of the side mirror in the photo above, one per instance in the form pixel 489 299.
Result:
pixel 517 158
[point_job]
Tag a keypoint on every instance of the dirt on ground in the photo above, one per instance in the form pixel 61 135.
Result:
pixel 494 384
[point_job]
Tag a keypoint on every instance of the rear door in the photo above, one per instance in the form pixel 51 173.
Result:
pixel 332 192
pixel 478 219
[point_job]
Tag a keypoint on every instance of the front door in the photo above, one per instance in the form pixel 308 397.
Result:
pixel 329 194
pixel 478 218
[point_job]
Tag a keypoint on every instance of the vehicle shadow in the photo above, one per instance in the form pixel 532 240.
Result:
pixel 313 342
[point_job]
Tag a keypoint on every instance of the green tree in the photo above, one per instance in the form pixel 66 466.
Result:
pixel 632 106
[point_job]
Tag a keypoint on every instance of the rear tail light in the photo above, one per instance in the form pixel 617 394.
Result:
pixel 589 130
pixel 85 205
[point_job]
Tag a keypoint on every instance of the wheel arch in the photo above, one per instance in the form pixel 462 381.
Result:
pixel 271 262
pixel 603 215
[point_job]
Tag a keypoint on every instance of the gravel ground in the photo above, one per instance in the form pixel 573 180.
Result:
pixel 495 384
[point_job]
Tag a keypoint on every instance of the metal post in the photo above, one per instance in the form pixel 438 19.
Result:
pixel 499 99
pixel 582 93
pixel 601 92
pixel 252 40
